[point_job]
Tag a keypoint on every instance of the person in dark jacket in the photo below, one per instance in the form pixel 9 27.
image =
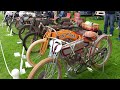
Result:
pixel 109 18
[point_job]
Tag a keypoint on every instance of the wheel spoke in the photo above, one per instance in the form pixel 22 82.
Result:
pixel 102 51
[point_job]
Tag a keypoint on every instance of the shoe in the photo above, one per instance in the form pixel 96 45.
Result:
pixel 110 35
pixel 117 27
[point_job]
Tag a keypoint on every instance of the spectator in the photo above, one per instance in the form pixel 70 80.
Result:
pixel 55 14
pixel 50 14
pixel 61 14
pixel 118 20
pixel 109 18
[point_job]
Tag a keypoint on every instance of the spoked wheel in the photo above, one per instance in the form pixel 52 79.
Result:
pixel 101 51
pixel 46 69
pixel 24 31
pixel 14 28
pixel 37 51
pixel 29 39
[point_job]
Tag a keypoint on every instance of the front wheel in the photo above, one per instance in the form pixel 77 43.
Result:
pixel 37 51
pixel 14 28
pixel 46 69
pixel 29 39
pixel 24 31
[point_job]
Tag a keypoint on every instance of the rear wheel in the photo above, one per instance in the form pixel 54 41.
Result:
pixel 101 51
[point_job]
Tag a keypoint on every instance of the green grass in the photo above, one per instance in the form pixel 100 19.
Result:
pixel 10 46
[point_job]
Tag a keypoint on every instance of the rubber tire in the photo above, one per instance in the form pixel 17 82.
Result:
pixel 102 37
pixel 14 23
pixel 29 51
pixel 26 37
pixel 21 31
pixel 42 63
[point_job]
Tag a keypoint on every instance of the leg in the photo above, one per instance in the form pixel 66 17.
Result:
pixel 119 29
pixel 119 24
pixel 112 18
pixel 106 23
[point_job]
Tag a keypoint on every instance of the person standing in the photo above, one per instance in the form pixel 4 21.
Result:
pixel 118 17
pixel 118 20
pixel 109 19
pixel 61 14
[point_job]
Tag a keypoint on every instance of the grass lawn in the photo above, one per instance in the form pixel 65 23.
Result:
pixel 10 46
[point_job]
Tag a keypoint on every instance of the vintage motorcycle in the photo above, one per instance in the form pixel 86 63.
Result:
pixel 76 56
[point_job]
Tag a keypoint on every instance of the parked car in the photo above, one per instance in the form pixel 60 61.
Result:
pixel 86 13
